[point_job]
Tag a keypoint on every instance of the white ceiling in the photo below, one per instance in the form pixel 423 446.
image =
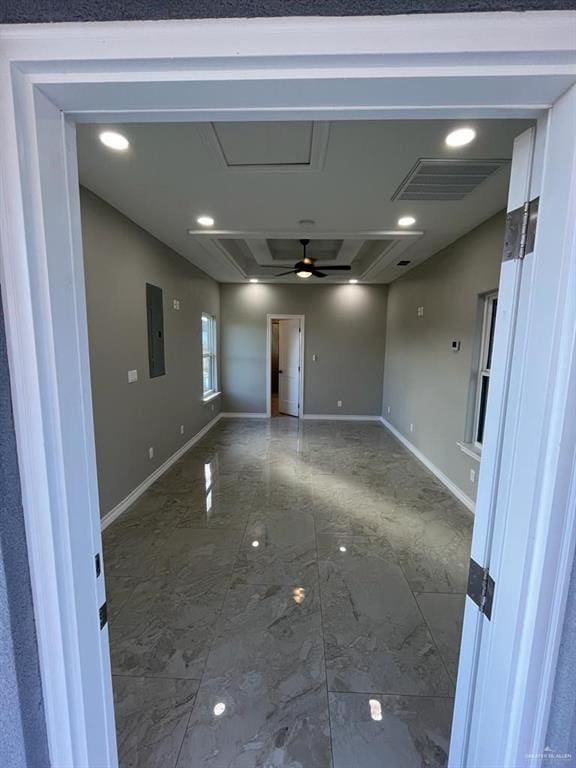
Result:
pixel 260 180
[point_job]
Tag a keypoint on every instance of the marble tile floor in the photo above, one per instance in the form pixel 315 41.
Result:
pixel 287 595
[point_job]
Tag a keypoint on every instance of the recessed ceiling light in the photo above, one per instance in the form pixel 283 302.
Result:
pixel 307 222
pixel 219 708
pixel 342 548
pixel 406 221
pixel 253 279
pixel 304 274
pixel 460 137
pixel 353 281
pixel 205 221
pixel 114 140
pixel 255 543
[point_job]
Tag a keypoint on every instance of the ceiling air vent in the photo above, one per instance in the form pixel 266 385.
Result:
pixel 446 179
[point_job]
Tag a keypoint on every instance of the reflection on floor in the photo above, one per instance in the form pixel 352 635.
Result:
pixel 288 596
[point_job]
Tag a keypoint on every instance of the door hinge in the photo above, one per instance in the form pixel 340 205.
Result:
pixel 520 231
pixel 481 588
pixel 98 564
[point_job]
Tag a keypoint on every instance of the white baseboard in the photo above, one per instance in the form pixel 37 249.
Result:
pixel 244 415
pixel 115 513
pixel 338 417
pixel 452 487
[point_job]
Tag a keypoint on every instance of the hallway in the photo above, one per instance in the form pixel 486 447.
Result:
pixel 288 595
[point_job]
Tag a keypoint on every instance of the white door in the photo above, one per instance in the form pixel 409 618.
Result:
pixel 470 744
pixel 289 367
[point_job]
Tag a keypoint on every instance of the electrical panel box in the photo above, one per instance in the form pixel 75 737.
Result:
pixel 155 312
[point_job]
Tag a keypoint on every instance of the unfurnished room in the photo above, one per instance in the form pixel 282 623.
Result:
pixel 291 328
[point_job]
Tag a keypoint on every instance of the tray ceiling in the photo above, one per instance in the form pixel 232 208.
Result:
pixel 269 184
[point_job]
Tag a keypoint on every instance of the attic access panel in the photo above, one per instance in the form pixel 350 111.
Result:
pixel 445 179
pixel 155 315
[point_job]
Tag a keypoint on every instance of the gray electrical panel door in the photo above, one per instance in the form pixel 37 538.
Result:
pixel 155 312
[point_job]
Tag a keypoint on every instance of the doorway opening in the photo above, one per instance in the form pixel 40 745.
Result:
pixel 41 250
pixel 285 365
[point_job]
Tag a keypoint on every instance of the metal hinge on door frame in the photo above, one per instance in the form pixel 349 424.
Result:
pixel 481 588
pixel 520 230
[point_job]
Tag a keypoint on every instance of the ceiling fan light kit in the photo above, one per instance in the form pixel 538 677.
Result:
pixel 306 267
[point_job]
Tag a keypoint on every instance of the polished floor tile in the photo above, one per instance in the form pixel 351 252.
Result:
pixel 371 731
pixel 166 629
pixel 151 719
pixel 263 698
pixel 375 636
pixel 444 614
pixel 275 565
pixel 278 550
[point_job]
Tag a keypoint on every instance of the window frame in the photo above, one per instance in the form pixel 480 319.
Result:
pixel 489 311
pixel 211 354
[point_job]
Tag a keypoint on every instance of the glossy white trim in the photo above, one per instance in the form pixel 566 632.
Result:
pixel 470 450
pixel 338 417
pixel 444 479
pixel 134 495
pixel 211 397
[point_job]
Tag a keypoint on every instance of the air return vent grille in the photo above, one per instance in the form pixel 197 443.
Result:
pixel 446 179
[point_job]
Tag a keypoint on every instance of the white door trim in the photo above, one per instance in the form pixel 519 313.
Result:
pixel 446 65
pixel 269 318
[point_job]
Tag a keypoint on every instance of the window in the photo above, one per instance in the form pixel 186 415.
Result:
pixel 486 348
pixel 209 367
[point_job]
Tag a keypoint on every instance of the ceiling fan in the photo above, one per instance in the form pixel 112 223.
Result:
pixel 306 268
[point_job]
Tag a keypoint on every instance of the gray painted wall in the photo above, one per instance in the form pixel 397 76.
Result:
pixel 120 258
pixel 345 326
pixel 22 11
pixel 22 728
pixel 425 383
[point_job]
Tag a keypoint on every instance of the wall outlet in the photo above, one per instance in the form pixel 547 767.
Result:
pixel 472 475
pixel 132 376
pixel 176 304
pixel 388 409
pixel 339 403
pixel 411 427
pixel 181 429
pixel 151 452
pixel 420 311
pixel 455 346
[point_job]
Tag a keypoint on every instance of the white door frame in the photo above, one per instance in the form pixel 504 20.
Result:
pixel 448 65
pixel 269 319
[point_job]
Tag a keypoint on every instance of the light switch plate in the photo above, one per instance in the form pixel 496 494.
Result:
pixel 132 376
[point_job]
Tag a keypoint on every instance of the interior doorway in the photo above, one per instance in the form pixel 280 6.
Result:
pixel 41 251
pixel 285 365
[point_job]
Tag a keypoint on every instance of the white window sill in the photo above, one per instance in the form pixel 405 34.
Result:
pixel 470 450
pixel 211 396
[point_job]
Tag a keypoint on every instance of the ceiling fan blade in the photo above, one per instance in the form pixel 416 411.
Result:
pixel 347 267
pixel 316 273
pixel 283 274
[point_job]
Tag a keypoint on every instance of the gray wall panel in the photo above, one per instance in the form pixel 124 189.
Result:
pixel 345 327
pixel 120 258
pixel 425 383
